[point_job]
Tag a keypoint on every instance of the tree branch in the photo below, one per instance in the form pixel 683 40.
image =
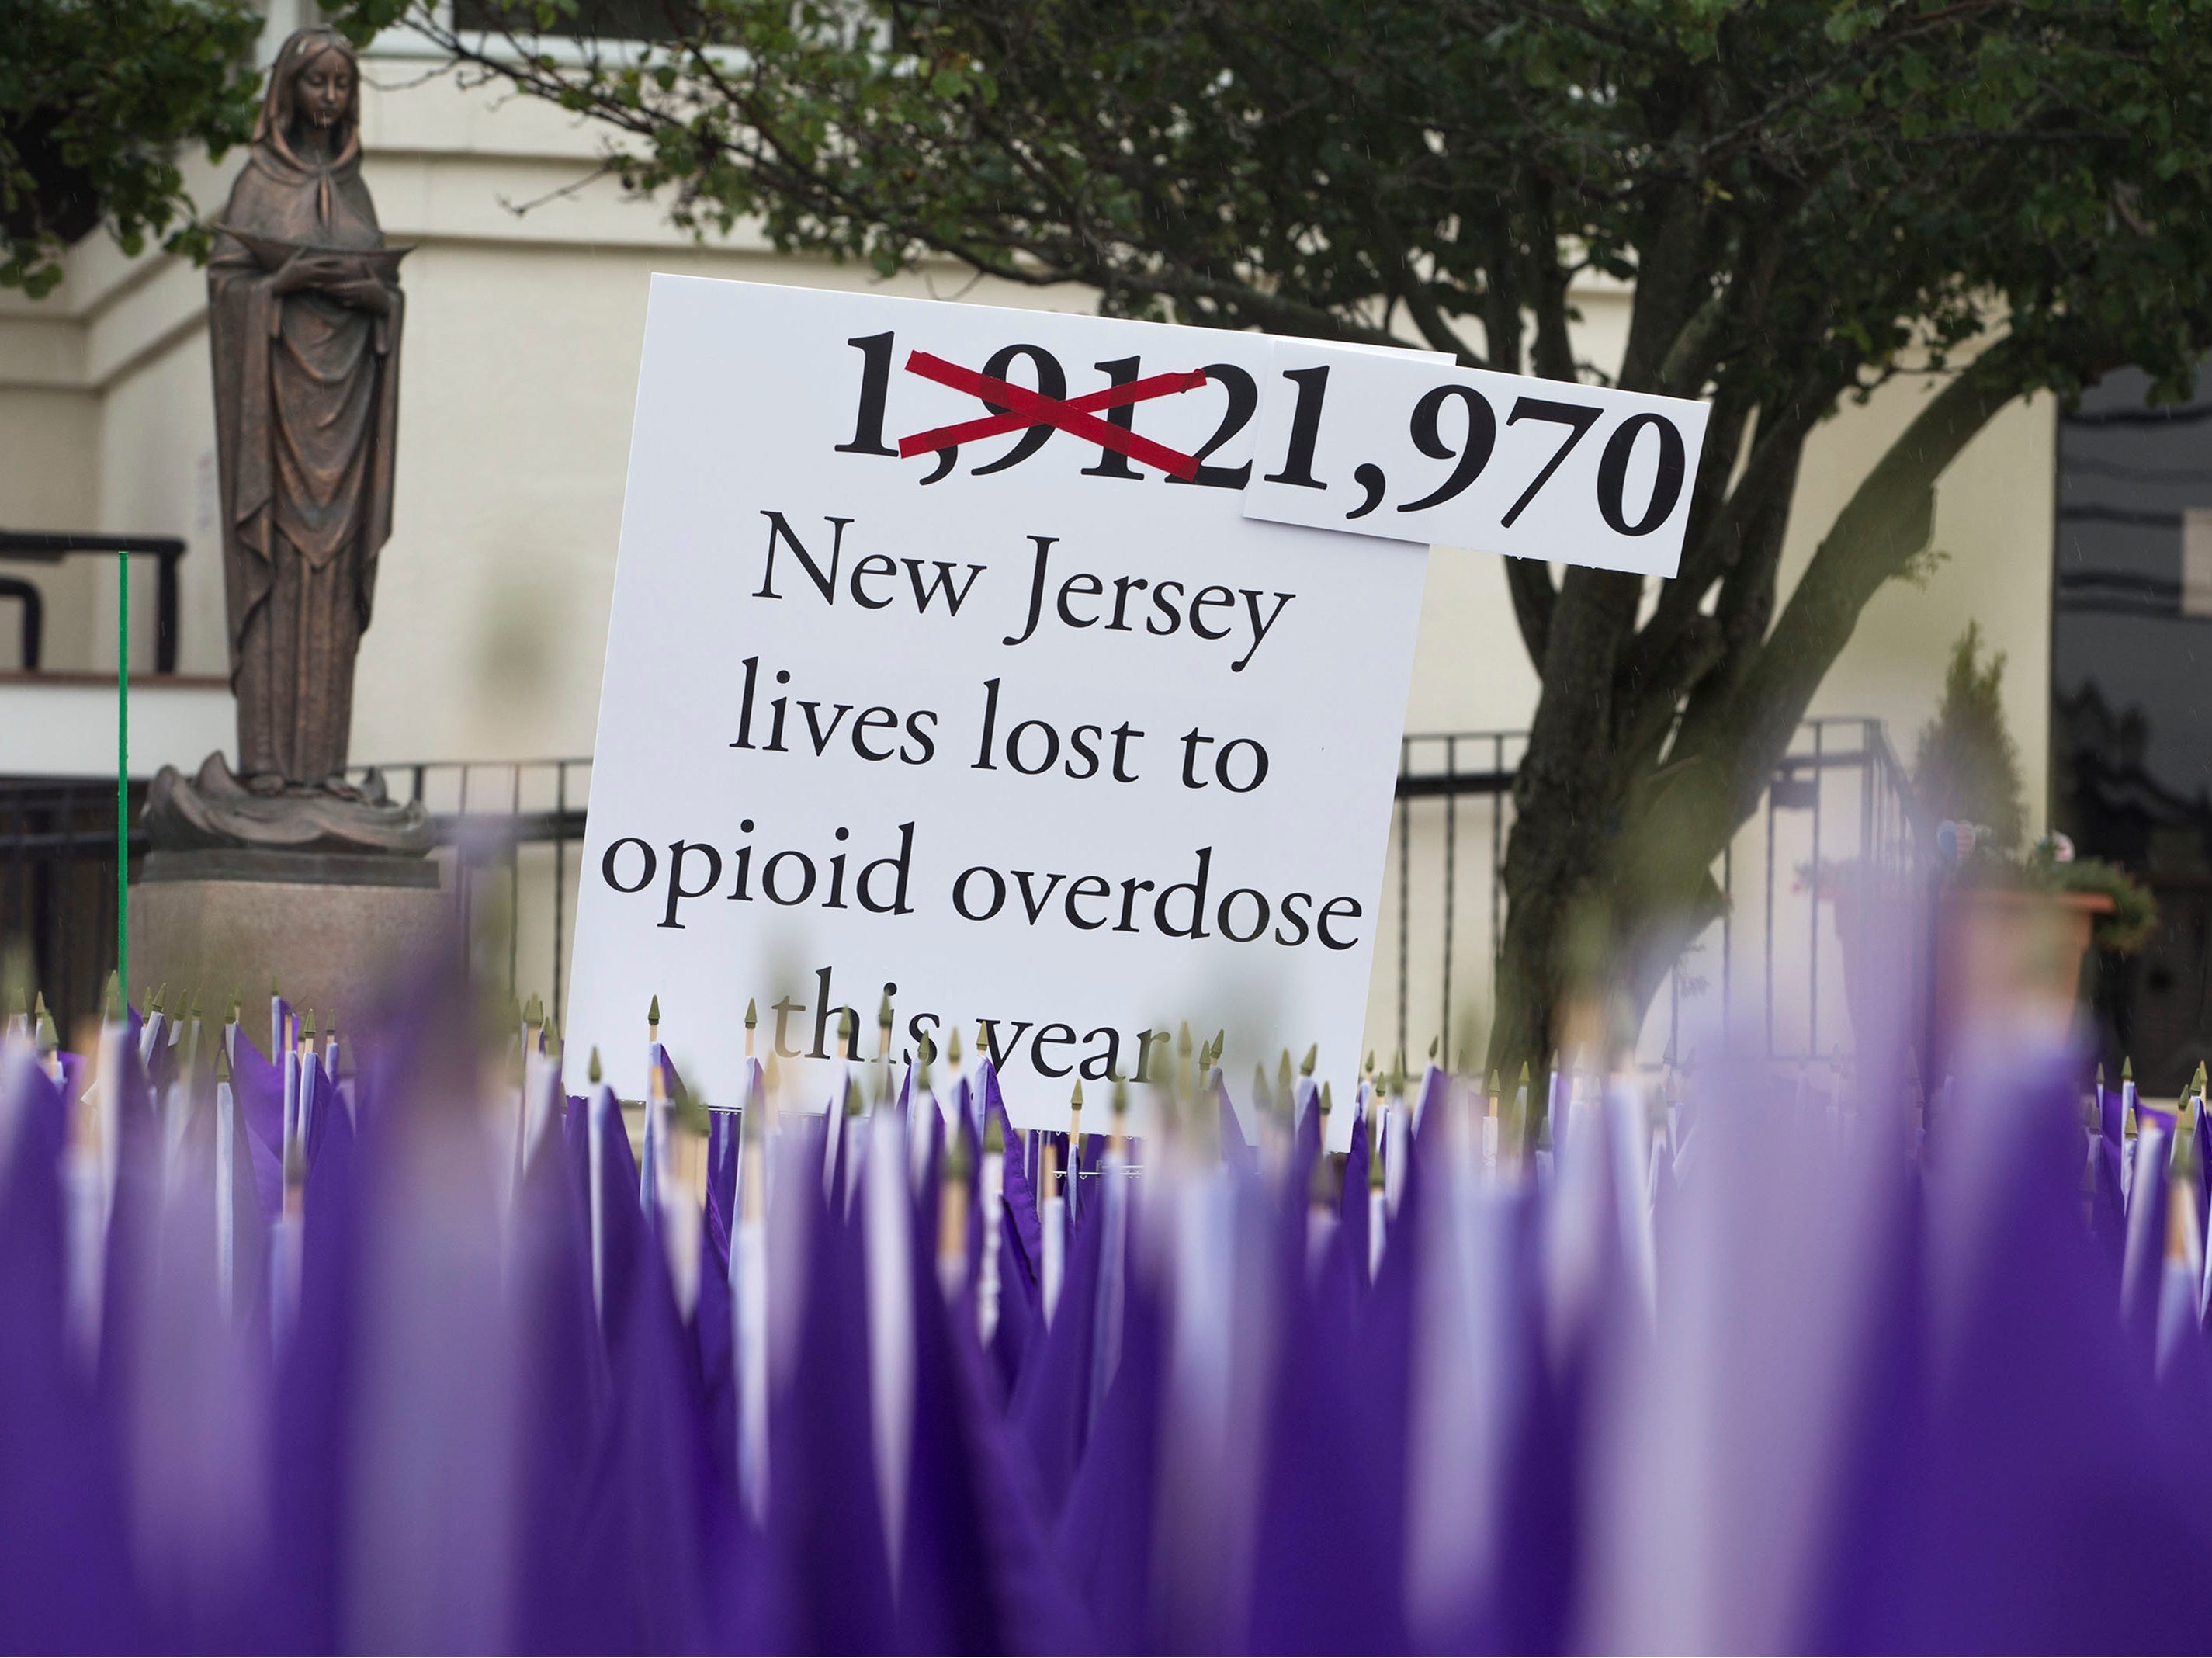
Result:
pixel 1744 608
pixel 1648 698
pixel 1887 519
pixel 1769 474
pixel 1689 360
pixel 1667 277
pixel 1502 320
pixel 1555 350
pixel 1529 581
pixel 1730 412
pixel 1420 303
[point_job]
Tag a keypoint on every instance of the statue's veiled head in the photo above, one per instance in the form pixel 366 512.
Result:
pixel 314 93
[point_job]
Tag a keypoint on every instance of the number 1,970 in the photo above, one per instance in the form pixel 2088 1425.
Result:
pixel 1469 454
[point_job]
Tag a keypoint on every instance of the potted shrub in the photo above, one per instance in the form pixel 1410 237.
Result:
pixel 2012 927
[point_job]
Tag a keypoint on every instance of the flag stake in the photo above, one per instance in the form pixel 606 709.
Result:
pixel 123 767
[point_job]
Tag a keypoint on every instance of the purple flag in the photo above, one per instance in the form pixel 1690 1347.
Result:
pixel 65 1586
pixel 1050 1409
pixel 826 1525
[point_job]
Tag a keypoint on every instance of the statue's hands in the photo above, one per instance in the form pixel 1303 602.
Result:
pixel 362 292
pixel 320 271
pixel 344 278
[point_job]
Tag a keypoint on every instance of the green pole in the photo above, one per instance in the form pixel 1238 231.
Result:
pixel 123 776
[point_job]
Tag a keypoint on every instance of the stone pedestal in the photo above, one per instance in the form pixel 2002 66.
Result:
pixel 330 928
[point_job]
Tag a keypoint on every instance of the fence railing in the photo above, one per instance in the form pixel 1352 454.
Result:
pixel 50 547
pixel 507 830
pixel 1771 964
pixel 511 832
pixel 511 827
pixel 58 885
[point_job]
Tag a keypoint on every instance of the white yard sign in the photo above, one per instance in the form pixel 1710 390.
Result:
pixel 1021 730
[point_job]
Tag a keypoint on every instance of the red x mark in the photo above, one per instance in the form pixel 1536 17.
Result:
pixel 1029 409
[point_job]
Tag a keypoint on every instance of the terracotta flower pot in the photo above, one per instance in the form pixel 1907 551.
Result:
pixel 2008 964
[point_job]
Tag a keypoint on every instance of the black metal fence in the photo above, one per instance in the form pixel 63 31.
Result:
pixel 57 887
pixel 512 829
pixel 1767 975
pixel 507 831
pixel 511 833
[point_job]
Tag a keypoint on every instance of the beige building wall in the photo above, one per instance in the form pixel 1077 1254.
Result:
pixel 48 434
pixel 522 340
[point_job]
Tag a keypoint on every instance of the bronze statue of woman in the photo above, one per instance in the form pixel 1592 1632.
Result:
pixel 306 336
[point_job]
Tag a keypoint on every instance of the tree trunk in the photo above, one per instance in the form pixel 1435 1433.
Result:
pixel 1564 795
pixel 1541 888
pixel 1608 877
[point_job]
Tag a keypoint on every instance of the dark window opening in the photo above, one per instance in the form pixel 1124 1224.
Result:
pixel 2131 713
